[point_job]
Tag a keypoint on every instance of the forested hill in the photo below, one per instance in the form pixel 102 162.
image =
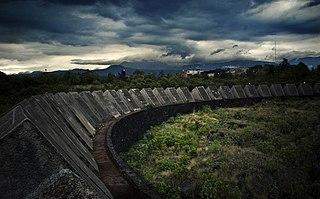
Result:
pixel 14 88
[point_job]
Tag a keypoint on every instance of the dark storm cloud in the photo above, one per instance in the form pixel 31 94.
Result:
pixel 167 24
pixel 298 54
pixel 156 10
pixel 217 51
pixel 148 17
pixel 57 20
pixel 243 52
pixel 311 27
pixel 83 2
pixel 180 51
pixel 72 2
pixel 206 20
pixel 313 3
pixel 94 62
pixel 35 21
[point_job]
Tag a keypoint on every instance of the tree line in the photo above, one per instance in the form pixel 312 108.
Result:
pixel 14 88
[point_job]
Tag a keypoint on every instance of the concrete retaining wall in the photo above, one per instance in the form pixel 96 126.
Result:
pixel 67 123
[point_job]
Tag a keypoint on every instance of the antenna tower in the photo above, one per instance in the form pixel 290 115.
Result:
pixel 275 51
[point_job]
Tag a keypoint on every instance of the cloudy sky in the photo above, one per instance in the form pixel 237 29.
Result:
pixel 64 34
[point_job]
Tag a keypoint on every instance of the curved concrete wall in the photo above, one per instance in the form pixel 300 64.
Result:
pixel 67 122
pixel 124 132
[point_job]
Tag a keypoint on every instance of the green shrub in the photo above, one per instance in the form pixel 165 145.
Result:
pixel 260 151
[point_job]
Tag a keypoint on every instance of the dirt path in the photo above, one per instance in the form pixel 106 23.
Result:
pixel 109 173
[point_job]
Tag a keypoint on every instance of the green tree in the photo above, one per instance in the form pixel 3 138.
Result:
pixel 285 63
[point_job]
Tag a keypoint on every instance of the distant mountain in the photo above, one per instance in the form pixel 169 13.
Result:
pixel 151 65
pixel 309 61
pixel 154 67
pixel 228 64
pixel 116 69
pixel 112 69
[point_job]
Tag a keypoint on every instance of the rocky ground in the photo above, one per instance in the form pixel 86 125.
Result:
pixel 64 184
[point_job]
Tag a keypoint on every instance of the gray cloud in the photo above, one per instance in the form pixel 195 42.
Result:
pixel 94 62
pixel 75 22
pixel 243 52
pixel 181 51
pixel 67 27
pixel 217 51
pixel 298 54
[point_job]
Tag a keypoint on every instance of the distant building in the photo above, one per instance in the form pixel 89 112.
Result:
pixel 259 69
pixel 194 72
pixel 237 71
pixel 216 72
pixel 122 73
pixel 188 73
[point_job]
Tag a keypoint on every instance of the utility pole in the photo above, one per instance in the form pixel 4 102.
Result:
pixel 275 51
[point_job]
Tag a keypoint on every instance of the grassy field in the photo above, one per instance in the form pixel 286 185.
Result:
pixel 268 150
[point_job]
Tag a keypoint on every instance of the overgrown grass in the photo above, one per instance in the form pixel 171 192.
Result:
pixel 269 150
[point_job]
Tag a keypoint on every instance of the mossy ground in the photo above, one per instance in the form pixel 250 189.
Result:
pixel 268 150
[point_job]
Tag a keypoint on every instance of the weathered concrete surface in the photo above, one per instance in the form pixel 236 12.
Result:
pixel 291 90
pixel 150 97
pixel 264 91
pixel 226 92
pixel 196 95
pixel 316 88
pixel 63 184
pixel 214 93
pixel 80 105
pixel 305 89
pixel 63 130
pixel 49 134
pixel 277 90
pixel 199 93
pixel 238 91
pixel 174 95
pixel 31 159
pixel 251 91
pixel 162 96
pixel 113 96
pixel 70 120
pixel 137 96
pixel 126 96
pixel 185 94
pixel 104 113
pixel 66 103
pixel 108 97
pixel 62 145
pixel 27 159
pixel 90 106
pixel 11 121
pixel 105 104
pixel 172 99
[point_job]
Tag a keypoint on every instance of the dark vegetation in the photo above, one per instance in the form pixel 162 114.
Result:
pixel 14 88
pixel 268 150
